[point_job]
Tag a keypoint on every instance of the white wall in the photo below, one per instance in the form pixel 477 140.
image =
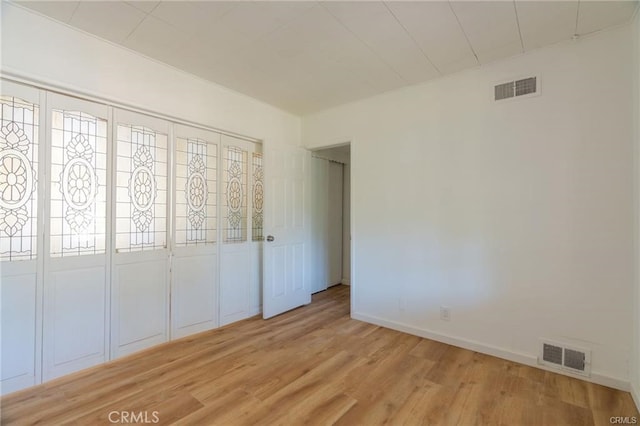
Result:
pixel 517 215
pixel 635 378
pixel 42 49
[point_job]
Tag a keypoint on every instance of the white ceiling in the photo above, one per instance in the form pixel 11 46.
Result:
pixel 304 56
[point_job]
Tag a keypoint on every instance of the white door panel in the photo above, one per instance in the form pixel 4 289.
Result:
pixel 236 283
pixel 75 259
pixel 334 243
pixel 75 306
pixel 241 228
pixel 141 305
pixel 320 230
pixel 21 208
pixel 286 283
pixel 18 322
pixel 194 298
pixel 194 277
pixel 255 289
pixel 140 283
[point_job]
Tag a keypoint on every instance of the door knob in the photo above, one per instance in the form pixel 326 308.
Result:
pixel 270 238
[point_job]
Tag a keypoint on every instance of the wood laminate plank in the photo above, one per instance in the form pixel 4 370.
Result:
pixel 315 366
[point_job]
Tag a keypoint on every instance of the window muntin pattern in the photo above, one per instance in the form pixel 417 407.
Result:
pixel 18 179
pixel 141 189
pixel 78 184
pixel 196 182
pixel 257 198
pixel 235 195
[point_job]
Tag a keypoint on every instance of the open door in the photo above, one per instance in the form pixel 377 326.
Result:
pixel 286 283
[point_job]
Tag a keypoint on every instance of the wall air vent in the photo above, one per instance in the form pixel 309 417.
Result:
pixel 563 357
pixel 511 89
pixel 552 353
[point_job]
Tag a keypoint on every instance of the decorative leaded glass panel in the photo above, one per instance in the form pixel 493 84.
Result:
pixel 141 189
pixel 235 196
pixel 258 197
pixel 78 184
pixel 18 179
pixel 195 192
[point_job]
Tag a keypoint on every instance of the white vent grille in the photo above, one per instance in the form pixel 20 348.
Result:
pixel 504 91
pixel 552 354
pixel 525 86
pixel 574 359
pixel 565 357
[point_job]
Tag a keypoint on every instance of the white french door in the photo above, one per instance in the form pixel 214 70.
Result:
pixel 140 263
pixel 194 271
pixel 22 162
pixel 286 251
pixel 76 273
pixel 241 239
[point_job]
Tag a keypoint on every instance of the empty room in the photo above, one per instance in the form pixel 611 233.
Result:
pixel 320 212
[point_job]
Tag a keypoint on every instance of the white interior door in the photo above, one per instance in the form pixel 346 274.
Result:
pixel 21 199
pixel 140 265
pixel 286 281
pixel 240 240
pixel 76 274
pixel 194 269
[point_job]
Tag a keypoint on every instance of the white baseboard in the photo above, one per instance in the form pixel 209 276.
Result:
pixel 635 394
pixel 346 281
pixel 522 358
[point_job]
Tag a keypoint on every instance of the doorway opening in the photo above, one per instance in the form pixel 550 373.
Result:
pixel 331 217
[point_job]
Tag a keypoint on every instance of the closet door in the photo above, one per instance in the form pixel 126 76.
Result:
pixel 334 212
pixel 76 273
pixel 140 266
pixel 241 256
pixel 194 271
pixel 21 189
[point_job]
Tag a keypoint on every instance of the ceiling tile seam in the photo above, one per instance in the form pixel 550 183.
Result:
pixel 197 31
pixel 154 8
pixel 412 39
pixel 285 24
pixel 75 9
pixel 575 30
pixel 366 44
pixel 131 3
pixel 137 26
pixel 515 10
pixel 464 33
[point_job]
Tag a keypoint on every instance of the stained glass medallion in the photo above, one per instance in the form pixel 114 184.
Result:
pixel 18 179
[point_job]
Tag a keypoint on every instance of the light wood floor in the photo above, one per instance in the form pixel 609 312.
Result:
pixel 315 366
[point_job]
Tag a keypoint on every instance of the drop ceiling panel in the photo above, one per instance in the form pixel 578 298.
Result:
pixel 304 56
pixel 435 29
pixel 157 39
pixel 146 6
pixel 598 15
pixel 186 16
pixel 113 21
pixel 255 20
pixel 374 25
pixel 59 11
pixel 491 27
pixel 544 23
